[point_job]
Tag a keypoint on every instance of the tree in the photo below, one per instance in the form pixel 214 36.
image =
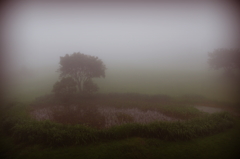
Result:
pixel 227 59
pixel 89 87
pixel 65 86
pixel 81 68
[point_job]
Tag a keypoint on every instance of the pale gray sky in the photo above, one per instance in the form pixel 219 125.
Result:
pixel 153 35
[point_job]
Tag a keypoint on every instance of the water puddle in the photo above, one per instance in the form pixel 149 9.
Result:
pixel 209 110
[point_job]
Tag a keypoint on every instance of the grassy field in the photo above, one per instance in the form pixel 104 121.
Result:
pixel 69 134
pixel 224 145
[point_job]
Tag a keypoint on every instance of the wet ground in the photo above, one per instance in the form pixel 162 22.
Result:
pixel 209 110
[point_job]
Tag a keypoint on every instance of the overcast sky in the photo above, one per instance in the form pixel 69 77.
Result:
pixel 147 34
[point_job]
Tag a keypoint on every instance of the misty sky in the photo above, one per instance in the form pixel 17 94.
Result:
pixel 153 35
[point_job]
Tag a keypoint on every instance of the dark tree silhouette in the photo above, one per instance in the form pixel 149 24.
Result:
pixel 226 59
pixel 81 68
pixel 65 86
pixel 89 86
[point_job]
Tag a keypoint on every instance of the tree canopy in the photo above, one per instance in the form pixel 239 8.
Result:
pixel 65 86
pixel 81 68
pixel 89 87
pixel 229 61
pixel 225 58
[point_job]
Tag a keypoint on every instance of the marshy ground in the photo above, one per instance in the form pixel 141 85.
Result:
pixel 117 116
pixel 120 125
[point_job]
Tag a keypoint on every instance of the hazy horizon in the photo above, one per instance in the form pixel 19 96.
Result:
pixel 164 34
pixel 127 36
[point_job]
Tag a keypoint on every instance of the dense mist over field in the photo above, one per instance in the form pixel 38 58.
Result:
pixel 148 47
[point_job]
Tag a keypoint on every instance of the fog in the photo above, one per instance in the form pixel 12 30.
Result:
pixel 148 47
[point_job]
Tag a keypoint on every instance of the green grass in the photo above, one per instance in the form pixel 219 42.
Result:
pixel 223 145
pixel 27 130
pixel 180 111
pixel 53 134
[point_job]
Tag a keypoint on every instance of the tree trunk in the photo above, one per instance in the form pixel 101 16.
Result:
pixel 79 86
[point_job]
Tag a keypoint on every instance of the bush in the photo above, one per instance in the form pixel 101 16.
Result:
pixel 77 114
pixel 89 87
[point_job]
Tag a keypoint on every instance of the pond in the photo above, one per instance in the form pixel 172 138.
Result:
pixel 209 110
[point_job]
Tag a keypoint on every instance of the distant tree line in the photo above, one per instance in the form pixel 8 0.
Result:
pixel 227 60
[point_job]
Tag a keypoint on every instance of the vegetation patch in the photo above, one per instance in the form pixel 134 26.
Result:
pixel 101 111
pixel 57 134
